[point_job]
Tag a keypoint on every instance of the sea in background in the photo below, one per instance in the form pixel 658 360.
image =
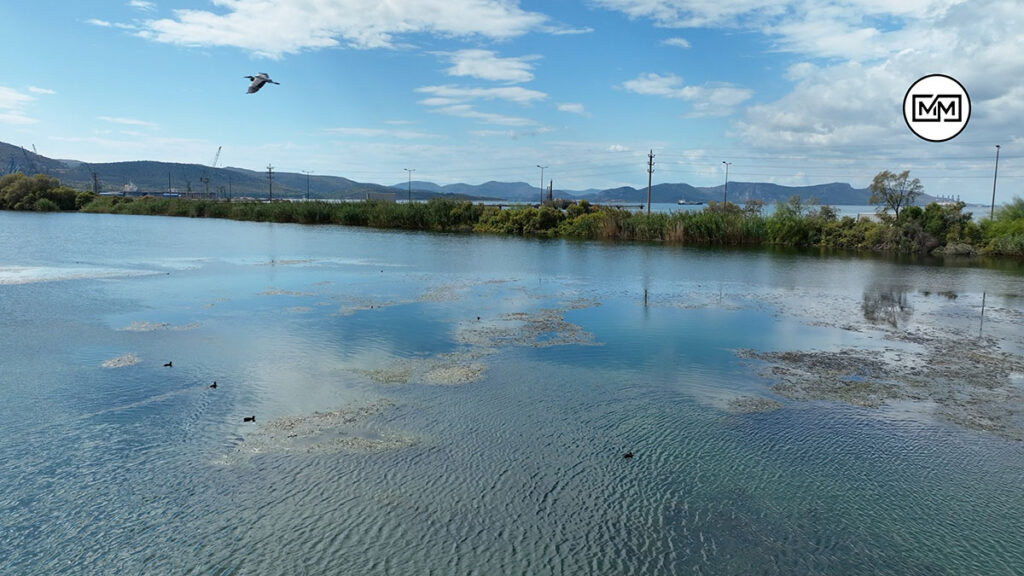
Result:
pixel 461 404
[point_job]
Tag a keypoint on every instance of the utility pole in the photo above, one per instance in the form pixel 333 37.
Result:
pixel 307 173
pixel 725 195
pixel 992 210
pixel 551 185
pixel 95 183
pixel 541 183
pixel 168 183
pixel 650 173
pixel 270 181
pixel 410 171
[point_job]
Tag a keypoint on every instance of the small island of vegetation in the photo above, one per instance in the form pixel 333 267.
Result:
pixel 903 228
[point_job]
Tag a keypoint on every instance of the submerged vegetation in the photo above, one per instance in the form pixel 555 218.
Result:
pixel 941 229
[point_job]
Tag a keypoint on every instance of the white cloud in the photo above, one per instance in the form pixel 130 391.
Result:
pixel 618 148
pixel 108 24
pixel 677 42
pixel 380 133
pixel 486 65
pixel 447 95
pixel 693 13
pixel 567 31
pixel 847 29
pixel 858 102
pixel 468 111
pixel 572 108
pixel 273 29
pixel 37 90
pixel 142 5
pixel 714 99
pixel 460 102
pixel 127 121
pixel 15 118
pixel 12 107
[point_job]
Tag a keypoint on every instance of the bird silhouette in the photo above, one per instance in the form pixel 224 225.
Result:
pixel 169 364
pixel 258 81
pixel 214 385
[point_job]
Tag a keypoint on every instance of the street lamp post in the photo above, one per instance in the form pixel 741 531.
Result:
pixel 307 173
pixel 410 171
pixel 992 210
pixel 541 183
pixel 725 195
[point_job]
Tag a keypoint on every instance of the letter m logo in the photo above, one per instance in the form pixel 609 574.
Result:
pixel 936 108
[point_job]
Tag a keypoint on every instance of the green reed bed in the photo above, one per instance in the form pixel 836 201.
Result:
pixel 917 230
pixel 932 229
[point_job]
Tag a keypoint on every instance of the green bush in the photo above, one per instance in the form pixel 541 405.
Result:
pixel 45 205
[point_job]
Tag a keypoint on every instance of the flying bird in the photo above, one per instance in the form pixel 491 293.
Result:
pixel 258 81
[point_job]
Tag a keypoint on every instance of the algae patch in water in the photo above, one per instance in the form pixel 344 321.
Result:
pixel 122 361
pixel 753 405
pixel 348 429
pixel 482 338
pixel 137 326
pixel 968 381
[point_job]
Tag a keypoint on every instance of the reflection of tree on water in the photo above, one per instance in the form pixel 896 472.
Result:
pixel 887 305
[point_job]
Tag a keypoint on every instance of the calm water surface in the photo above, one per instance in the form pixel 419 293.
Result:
pixel 446 404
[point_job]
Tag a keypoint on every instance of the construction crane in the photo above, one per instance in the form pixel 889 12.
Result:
pixel 206 179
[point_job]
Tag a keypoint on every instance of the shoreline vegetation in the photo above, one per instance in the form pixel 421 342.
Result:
pixel 933 229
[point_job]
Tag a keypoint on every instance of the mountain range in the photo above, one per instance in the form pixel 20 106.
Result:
pixel 156 178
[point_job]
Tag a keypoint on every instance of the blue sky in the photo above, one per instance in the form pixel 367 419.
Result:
pixel 795 92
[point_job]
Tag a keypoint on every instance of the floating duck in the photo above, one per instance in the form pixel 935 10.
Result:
pixel 258 81
pixel 214 385
pixel 249 419
pixel 169 364
pixel 628 454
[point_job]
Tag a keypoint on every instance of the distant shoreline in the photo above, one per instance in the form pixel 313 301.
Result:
pixel 936 229
pixel 932 230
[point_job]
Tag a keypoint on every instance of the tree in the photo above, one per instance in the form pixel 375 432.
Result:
pixel 894 191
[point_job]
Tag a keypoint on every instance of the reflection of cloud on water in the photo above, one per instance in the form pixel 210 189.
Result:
pixel 282 292
pixel 12 275
pixel 481 339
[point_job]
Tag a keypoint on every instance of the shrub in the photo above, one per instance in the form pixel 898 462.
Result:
pixel 45 205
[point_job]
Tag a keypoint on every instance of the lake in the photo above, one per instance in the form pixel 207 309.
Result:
pixel 461 404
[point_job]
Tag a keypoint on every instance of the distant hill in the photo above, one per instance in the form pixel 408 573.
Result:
pixel 739 192
pixel 160 177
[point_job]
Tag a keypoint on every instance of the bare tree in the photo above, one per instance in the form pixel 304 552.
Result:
pixel 895 191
